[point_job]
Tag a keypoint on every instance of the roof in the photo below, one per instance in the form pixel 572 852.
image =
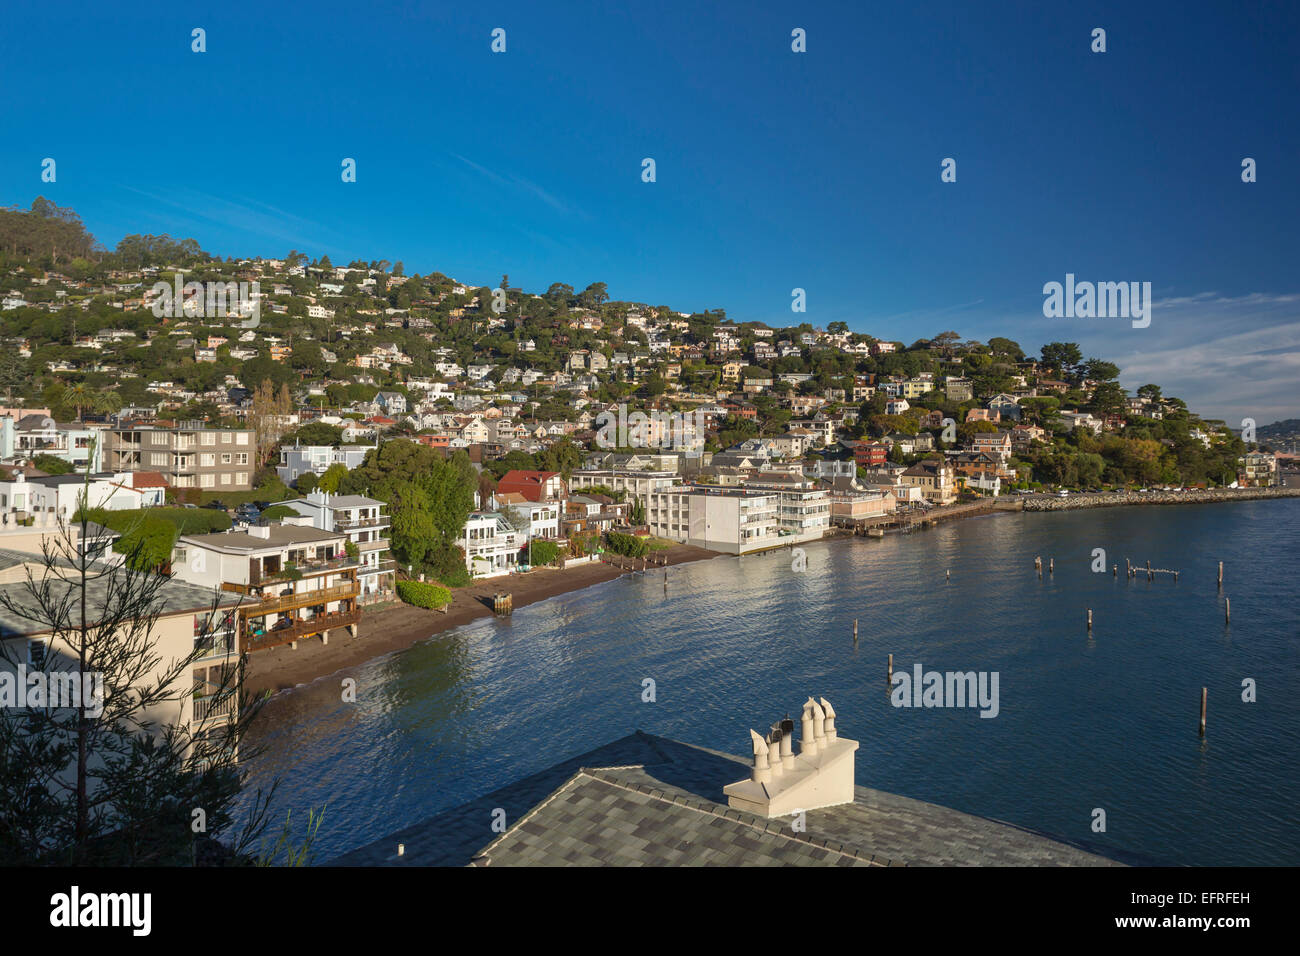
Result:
pixel 148 479
pixel 173 597
pixel 279 536
pixel 648 800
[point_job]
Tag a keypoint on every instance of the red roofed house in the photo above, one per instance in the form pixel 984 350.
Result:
pixel 534 485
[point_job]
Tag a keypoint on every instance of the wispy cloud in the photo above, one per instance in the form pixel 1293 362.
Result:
pixel 520 184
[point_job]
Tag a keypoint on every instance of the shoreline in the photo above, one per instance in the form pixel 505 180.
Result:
pixel 395 626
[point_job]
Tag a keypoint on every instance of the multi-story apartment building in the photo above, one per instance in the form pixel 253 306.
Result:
pixel 1258 469
pixel 636 485
pixel 490 544
pixel 296 582
pixel 730 520
pixel 363 520
pixel 188 619
pixel 298 460
pixel 803 510
pixel 210 459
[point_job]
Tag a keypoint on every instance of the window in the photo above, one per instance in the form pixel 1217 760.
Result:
pixel 241 438
pixel 225 458
pixel 225 478
pixel 208 438
pixel 159 458
pixel 241 458
pixel 225 438
pixel 208 461
pixel 207 481
pixel 241 477
pixel 36 654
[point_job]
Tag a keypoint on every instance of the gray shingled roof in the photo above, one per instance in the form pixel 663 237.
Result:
pixel 650 801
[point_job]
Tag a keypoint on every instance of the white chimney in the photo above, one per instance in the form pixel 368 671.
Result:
pixel 783 783
pixel 259 530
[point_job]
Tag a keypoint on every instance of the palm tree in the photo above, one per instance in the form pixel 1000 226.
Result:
pixel 108 402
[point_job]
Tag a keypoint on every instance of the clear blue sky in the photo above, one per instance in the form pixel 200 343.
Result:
pixel 775 169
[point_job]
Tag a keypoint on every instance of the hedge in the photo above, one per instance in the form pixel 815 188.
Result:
pixel 423 595
pixel 185 520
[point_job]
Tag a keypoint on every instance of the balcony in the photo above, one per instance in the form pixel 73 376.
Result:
pixel 215 705
pixel 258 639
pixel 288 602
pixel 346 525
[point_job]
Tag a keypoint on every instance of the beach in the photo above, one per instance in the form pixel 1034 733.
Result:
pixel 395 626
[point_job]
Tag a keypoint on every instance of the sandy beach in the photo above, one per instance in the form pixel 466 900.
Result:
pixel 392 627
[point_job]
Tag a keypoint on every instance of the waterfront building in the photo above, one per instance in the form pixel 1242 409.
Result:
pixel 936 479
pixel 363 520
pixel 295 582
pixel 729 520
pixel 490 544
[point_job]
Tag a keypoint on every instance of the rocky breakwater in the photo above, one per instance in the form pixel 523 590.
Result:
pixel 1110 499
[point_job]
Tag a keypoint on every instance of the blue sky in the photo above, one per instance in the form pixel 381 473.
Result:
pixel 775 170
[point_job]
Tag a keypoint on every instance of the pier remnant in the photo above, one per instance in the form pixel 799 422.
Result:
pixel 1227 611
pixel 855 630
pixel 1089 620
pixel 1220 574
pixel 889 676
pixel 1204 695
pixel 503 604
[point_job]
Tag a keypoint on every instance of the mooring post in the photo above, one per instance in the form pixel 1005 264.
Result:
pixel 1227 611
pixel 1089 619
pixel 1204 694
pixel 1220 574
pixel 1051 565
pixel 855 630
pixel 889 677
pixel 1150 576
pixel 1114 571
pixel 948 576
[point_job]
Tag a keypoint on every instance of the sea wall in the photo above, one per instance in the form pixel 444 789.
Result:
pixel 1113 498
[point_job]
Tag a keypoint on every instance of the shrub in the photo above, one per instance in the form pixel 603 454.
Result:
pixel 420 594
pixel 544 552
pixel 627 544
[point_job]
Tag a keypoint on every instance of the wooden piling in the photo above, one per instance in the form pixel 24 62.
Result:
pixel 855 630
pixel 1227 611
pixel 1089 619
pixel 948 576
pixel 1114 571
pixel 889 677
pixel 1204 695
pixel 1220 574
pixel 1051 565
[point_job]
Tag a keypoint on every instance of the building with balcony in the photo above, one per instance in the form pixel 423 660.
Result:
pixel 366 526
pixel 33 435
pixel 192 623
pixel 490 544
pixel 1258 470
pixel 294 582
pixel 210 459
pixel 729 520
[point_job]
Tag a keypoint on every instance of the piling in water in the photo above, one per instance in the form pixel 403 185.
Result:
pixel 1204 694
pixel 889 676
pixel 1089 619
pixel 1220 574
pixel 855 630
pixel 1227 610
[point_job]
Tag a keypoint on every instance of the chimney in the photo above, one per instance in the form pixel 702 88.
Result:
pixel 783 783
pixel 259 530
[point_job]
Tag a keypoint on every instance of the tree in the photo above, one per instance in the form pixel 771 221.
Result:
pixel 333 476
pixel 1062 356
pixel 1006 348
pixel 109 780
pixel 268 417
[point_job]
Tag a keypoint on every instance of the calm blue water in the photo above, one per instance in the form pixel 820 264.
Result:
pixel 1109 722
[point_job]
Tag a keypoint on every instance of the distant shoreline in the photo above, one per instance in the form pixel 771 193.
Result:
pixel 395 627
